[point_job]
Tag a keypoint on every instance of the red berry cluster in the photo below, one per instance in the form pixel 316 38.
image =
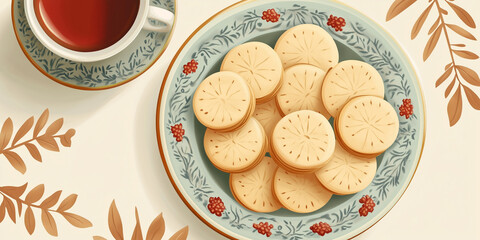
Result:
pixel 407 108
pixel 178 132
pixel 190 67
pixel 321 228
pixel 367 206
pixel 216 206
pixel 270 15
pixel 263 228
pixel 336 22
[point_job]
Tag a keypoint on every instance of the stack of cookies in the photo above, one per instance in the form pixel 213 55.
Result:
pixel 279 101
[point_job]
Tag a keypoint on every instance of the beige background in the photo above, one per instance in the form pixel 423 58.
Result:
pixel 114 154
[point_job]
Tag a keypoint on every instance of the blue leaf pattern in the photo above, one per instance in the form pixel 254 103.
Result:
pixel 122 67
pixel 247 25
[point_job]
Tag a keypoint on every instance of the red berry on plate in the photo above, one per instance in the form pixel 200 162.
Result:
pixel 190 67
pixel 336 22
pixel 216 206
pixel 406 109
pixel 270 15
pixel 178 132
pixel 263 228
pixel 321 228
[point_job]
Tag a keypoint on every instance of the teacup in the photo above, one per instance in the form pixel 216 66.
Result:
pixel 92 30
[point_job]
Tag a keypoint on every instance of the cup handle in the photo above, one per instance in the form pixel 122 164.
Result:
pixel 159 14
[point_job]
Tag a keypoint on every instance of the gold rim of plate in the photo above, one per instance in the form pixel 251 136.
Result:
pixel 233 6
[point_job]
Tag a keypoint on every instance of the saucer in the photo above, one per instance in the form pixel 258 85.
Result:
pixel 112 72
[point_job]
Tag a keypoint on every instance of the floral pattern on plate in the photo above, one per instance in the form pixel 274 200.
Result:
pixel 198 182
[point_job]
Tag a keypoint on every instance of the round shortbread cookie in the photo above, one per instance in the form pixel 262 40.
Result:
pixel 268 115
pixel 301 193
pixel 346 173
pixel 367 125
pixel 250 112
pixel 222 101
pixel 254 188
pixel 347 80
pixel 301 90
pixel 236 151
pixel 303 141
pixel 307 44
pixel 259 65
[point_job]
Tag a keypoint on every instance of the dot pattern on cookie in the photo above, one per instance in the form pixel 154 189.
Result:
pixel 303 140
pixel 301 90
pixel 259 65
pixel 367 125
pixel 254 188
pixel 347 80
pixel 346 173
pixel 307 44
pixel 301 193
pixel 222 101
pixel 236 151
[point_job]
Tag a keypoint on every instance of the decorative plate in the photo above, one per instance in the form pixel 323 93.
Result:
pixel 180 136
pixel 112 72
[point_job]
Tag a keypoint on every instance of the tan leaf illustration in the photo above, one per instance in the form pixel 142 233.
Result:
pixel 66 139
pixel 137 232
pixel 76 220
pixel 48 142
pixel 2 211
pixel 443 11
pixel 16 161
pixel 6 133
pixel 448 90
pixel 40 123
pixel 29 220
pixel 54 127
pixel 49 223
pixel 35 194
pixel 115 222
pixel 156 229
pixel 67 203
pixel 462 32
pixel 98 238
pixel 13 191
pixel 462 14
pixel 448 65
pixel 454 107
pixel 19 206
pixel 434 26
pixel 33 150
pixel 52 200
pixel 432 42
pixel 10 209
pixel 465 54
pixel 436 29
pixel 472 98
pixel 180 235
pixel 469 75
pixel 397 7
pixel 420 21
pixel 27 125
pixel 444 76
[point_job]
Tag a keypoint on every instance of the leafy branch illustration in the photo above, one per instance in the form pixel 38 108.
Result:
pixel 46 140
pixel 12 195
pixel 155 231
pixel 469 76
